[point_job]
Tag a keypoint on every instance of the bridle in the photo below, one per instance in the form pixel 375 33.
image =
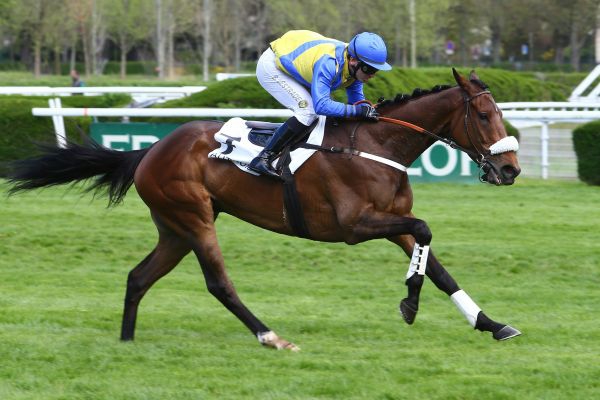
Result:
pixel 479 156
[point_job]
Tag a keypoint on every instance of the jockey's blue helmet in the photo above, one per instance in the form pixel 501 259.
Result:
pixel 370 49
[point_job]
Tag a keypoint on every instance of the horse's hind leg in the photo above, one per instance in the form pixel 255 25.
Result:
pixel 219 285
pixel 166 255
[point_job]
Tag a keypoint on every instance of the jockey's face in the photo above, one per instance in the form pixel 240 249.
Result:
pixel 361 71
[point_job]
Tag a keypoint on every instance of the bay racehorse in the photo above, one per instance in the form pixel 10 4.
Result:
pixel 345 196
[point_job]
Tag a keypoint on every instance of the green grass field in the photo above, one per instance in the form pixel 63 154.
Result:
pixel 527 254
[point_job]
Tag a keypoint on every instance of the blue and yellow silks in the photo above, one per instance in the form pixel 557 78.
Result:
pixel 320 64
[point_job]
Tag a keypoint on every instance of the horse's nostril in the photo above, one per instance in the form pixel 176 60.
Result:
pixel 509 172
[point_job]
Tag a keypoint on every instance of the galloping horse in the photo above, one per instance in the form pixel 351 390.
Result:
pixel 345 197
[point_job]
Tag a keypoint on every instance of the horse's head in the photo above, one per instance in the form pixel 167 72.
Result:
pixel 480 130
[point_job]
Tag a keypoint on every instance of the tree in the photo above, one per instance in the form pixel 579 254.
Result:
pixel 127 23
pixel 32 14
pixel 60 31
pixel 80 11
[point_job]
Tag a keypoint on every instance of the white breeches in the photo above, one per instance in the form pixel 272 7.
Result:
pixel 285 89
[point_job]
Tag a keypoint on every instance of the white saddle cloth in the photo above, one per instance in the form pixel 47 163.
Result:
pixel 236 147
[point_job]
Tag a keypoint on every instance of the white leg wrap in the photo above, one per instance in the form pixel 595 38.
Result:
pixel 266 337
pixel 467 306
pixel 418 261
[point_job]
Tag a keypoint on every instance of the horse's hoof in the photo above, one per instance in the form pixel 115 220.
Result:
pixel 408 312
pixel 506 333
pixel 270 339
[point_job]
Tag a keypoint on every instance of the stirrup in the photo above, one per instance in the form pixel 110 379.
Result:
pixel 262 165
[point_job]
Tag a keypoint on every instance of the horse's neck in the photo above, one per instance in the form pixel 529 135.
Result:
pixel 432 112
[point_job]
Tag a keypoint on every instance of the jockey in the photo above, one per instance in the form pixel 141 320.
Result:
pixel 302 68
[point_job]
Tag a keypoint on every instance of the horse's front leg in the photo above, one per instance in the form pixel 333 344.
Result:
pixel 414 281
pixel 414 236
pixel 444 281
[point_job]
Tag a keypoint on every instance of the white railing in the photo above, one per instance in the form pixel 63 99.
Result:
pixel 577 94
pixel 546 114
pixel 178 91
pixel 141 95
pixel 160 112
pixel 543 113
pixel 221 76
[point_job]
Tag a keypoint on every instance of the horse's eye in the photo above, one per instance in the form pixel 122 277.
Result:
pixel 483 115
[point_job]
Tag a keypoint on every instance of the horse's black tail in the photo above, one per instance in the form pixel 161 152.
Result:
pixel 113 169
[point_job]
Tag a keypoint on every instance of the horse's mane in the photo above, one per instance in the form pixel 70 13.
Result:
pixel 418 92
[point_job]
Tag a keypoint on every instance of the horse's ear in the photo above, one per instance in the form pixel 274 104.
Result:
pixel 473 76
pixel 459 78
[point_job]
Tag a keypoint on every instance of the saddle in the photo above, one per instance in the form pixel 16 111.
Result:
pixel 261 132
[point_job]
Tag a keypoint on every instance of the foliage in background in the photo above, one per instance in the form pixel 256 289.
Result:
pixel 174 34
pixel 20 129
pixel 586 141
pixel 505 86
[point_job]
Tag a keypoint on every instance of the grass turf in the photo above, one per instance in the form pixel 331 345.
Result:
pixel 527 254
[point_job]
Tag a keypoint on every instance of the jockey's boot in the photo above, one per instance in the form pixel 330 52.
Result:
pixel 281 137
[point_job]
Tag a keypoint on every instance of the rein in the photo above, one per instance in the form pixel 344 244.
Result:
pixel 417 128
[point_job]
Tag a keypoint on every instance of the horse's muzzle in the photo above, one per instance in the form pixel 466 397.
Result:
pixel 499 175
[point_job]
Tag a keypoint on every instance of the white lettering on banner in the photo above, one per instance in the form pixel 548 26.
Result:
pixel 108 140
pixel 136 143
pixel 432 169
pixel 465 164
pixel 445 170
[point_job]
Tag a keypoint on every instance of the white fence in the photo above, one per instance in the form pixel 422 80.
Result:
pixel 579 93
pixel 535 154
pixel 140 94
pixel 549 153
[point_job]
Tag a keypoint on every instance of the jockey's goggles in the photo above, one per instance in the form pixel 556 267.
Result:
pixel 366 68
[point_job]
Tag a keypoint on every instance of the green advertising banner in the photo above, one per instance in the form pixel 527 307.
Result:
pixel 439 163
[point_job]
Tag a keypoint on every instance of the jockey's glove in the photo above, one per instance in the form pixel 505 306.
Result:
pixel 368 112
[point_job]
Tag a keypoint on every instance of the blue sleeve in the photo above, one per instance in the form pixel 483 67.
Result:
pixel 324 73
pixel 355 92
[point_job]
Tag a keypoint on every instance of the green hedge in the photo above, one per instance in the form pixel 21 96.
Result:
pixel 19 129
pixel 505 85
pixel 586 140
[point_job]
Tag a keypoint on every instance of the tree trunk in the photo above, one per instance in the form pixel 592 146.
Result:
pixel 123 62
pixel 597 47
pixel 37 58
pixel 207 9
pixel 413 34
pixel 237 57
pixel 73 55
pixel 160 40
pixel 170 42
pixel 57 60
pixel 86 48
pixel 574 43
pixel 93 41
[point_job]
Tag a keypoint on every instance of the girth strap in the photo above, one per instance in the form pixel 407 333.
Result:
pixel 291 201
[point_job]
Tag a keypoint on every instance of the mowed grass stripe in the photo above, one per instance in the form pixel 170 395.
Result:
pixel 527 254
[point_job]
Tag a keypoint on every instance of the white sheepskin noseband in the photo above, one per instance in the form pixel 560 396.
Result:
pixel 504 145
